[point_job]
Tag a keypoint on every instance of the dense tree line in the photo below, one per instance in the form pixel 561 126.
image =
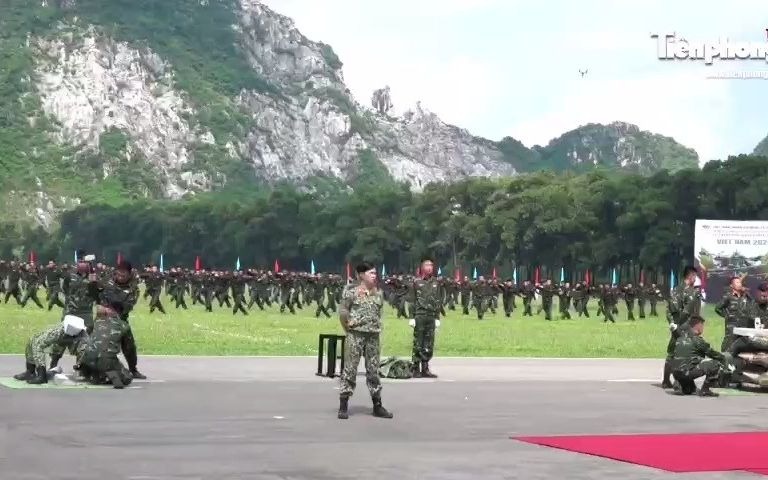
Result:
pixel 598 220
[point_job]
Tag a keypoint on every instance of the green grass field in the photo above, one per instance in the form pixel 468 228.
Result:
pixel 195 332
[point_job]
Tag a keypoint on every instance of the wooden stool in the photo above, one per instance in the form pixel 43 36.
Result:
pixel 333 341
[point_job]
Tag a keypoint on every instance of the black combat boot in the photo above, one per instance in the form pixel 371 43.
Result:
pixel 29 373
pixel 415 371
pixel 343 405
pixel 137 374
pixel 425 371
pixel 379 410
pixel 705 391
pixel 665 383
pixel 40 377
pixel 115 380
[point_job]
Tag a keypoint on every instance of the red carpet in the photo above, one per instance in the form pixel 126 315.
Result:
pixel 699 452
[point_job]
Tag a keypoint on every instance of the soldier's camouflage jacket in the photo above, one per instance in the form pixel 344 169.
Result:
pixel 364 308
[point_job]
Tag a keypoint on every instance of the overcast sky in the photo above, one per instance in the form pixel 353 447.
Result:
pixel 511 67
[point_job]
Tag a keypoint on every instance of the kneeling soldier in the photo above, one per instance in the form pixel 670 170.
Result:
pixel 690 361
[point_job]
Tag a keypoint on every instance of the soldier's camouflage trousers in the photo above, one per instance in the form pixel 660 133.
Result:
pixel 356 345
pixel 31 294
pixel 708 368
pixel 53 298
pixel 100 367
pixel 423 338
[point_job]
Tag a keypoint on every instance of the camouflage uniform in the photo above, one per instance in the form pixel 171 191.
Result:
pixel 683 303
pixel 362 340
pixel 126 296
pixel 689 362
pixel 737 310
pixel 427 307
pixel 80 294
pixel 100 357
pixel 53 338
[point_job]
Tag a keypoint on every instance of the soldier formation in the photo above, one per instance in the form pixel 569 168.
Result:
pixel 482 296
pixel 77 289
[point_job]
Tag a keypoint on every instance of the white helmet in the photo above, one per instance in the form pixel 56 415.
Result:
pixel 73 325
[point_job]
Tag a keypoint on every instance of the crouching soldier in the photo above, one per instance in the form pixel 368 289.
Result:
pixel 694 358
pixel 69 334
pixel 99 360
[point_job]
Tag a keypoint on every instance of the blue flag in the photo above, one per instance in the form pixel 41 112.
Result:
pixel 671 279
pixel 514 275
pixel 439 271
pixel 75 256
pixel 562 274
pixel 312 267
pixel 161 263
pixel 474 274
pixel 383 270
pixel 237 264
pixel 615 279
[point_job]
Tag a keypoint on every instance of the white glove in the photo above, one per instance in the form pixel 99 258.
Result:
pixel 412 322
pixel 89 258
pixel 672 327
pixel 437 323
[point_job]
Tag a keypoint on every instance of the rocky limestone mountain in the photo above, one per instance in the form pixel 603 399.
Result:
pixel 761 148
pixel 616 145
pixel 146 99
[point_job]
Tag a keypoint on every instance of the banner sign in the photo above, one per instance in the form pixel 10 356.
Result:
pixel 724 248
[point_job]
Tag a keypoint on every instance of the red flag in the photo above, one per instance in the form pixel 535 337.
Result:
pixel 198 264
pixel 642 276
pixel 349 271
pixel 586 277
pixel 537 275
pixel 32 256
pixel 277 266
pixel 493 274
pixel 457 275
pixel 119 258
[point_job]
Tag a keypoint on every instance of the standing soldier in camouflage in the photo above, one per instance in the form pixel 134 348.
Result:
pixel 654 295
pixel 32 280
pixel 642 296
pixel 360 316
pixel 14 276
pixel 629 299
pixel 564 300
pixel 508 297
pixel 683 304
pixel 528 292
pixel 237 285
pixel 427 308
pixel 547 292
pixel 736 307
pixel 53 284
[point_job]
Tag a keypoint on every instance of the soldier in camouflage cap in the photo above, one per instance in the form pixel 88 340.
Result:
pixel 427 306
pixel 683 304
pixel 360 316
pixel 694 358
